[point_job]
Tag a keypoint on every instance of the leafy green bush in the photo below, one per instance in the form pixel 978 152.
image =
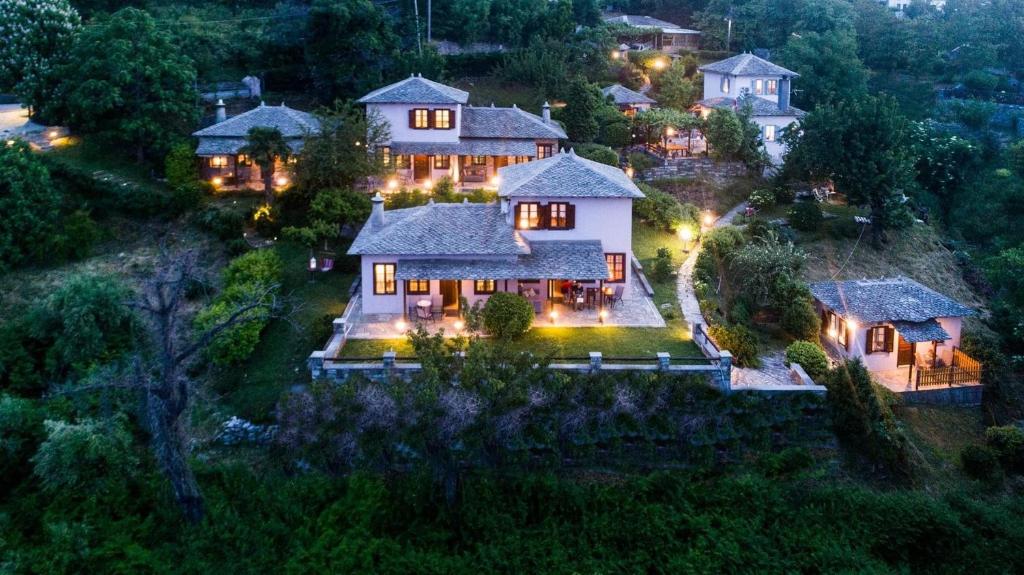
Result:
pixel 810 356
pixel 847 228
pixel 663 267
pixel 979 462
pixel 21 430
pixel 507 315
pixel 640 162
pixel 663 210
pixel 1015 157
pixel 805 216
pixel 719 247
pixel 1008 444
pixel 784 195
pixel 739 341
pixel 981 80
pixel 597 153
pixel 762 199
pixel 180 167
pixel 87 456
pixel 262 267
pixel 77 238
pixel 224 223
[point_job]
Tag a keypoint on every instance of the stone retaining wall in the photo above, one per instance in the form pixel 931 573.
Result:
pixel 695 168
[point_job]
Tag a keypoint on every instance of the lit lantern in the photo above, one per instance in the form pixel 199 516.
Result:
pixel 312 264
pixel 616 54
pixel 685 234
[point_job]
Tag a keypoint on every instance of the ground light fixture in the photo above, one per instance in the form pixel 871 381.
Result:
pixel 553 315
pixel 429 184
pixel 602 315
pixel 629 172
pixel 392 184
pixel 217 181
pixel 400 325
pixel 459 325
pixel 281 181
pixel 495 180
pixel 709 219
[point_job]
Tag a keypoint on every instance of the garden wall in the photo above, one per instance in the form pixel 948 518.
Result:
pixel 694 168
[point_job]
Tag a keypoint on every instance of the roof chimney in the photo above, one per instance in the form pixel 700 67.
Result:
pixel 220 112
pixel 547 113
pixel 784 93
pixel 377 214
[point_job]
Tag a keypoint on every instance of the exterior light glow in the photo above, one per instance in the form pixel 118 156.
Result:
pixel 553 315
pixel 709 219
pixel 495 180
pixel 281 181
pixel 851 325
pixel 670 131
pixel 217 181
pixel 53 134
pixel 400 325
pixel 392 184
pixel 429 184
pixel 602 315
pixel 10 143
pixel 833 333
pixel 459 325
pixel 685 233
pixel 658 64
pixel 629 172
pixel 616 54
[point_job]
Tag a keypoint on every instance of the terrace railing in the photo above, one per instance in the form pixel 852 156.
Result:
pixel 963 370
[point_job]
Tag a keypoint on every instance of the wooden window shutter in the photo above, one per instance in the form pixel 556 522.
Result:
pixel 889 336
pixel 543 212
pixel 846 332
pixel 517 214
pixel 430 118
pixel 824 321
pixel 870 344
pixel 412 118
pixel 570 216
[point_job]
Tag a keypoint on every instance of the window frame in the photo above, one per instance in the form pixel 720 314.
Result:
pixel 478 290
pixel 243 160
pixel 478 160
pixel 519 211
pixel 402 161
pixel 726 86
pixel 384 290
pixel 552 223
pixel 774 133
pixel 218 161
pixel 545 151
pixel 771 87
pixel 609 258
pixel 385 155
pixel 410 290
pixel 758 87
pixel 435 119
pixel 442 162
pixel 415 117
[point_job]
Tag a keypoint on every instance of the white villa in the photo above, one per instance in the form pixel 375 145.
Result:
pixel 906 334
pixel 434 133
pixel 559 235
pixel 745 78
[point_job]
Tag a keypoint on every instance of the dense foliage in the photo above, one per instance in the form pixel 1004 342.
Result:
pixel 30 205
pixel 507 315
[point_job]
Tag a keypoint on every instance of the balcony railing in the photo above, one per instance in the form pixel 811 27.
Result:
pixel 963 370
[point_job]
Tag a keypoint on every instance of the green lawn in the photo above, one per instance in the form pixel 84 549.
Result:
pixel 82 153
pixel 280 358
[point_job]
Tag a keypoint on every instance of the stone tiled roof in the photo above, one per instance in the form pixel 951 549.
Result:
pixel 416 90
pixel 638 21
pixel 566 175
pixel 622 95
pixel 886 300
pixel 579 260
pixel 291 123
pixel 747 65
pixel 212 146
pixel 918 331
pixel 507 123
pixel 468 147
pixel 441 230
pixel 761 106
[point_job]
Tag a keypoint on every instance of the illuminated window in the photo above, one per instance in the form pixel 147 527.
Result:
pixel 443 119
pixel 402 162
pixel 616 267
pixel 772 87
pixel 543 151
pixel 479 160
pixel 759 87
pixel 384 279
pixel 483 287
pixel 442 162
pixel 558 216
pixel 522 159
pixel 385 155
pixel 769 133
pixel 219 162
pixel 528 216
pixel 420 119
pixel 243 160
pixel 725 84
pixel 417 287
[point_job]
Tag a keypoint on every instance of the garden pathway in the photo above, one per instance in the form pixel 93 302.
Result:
pixel 773 371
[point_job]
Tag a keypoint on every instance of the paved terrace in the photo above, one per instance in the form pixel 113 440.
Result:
pixel 635 310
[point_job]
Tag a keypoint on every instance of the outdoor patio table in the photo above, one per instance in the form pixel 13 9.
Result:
pixel 423 303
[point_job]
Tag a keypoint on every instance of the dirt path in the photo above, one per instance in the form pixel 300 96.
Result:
pixel 773 371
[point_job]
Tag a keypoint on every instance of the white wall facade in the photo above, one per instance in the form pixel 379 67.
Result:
pixel 776 149
pixel 887 360
pixel 714 86
pixel 397 116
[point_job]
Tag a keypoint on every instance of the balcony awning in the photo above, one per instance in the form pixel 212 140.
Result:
pixel 576 260
pixel 920 331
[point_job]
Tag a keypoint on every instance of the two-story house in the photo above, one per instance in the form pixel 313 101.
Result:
pixel 561 223
pixel 435 134
pixel 220 159
pixel 746 79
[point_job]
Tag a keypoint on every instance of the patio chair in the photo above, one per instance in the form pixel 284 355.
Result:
pixel 616 296
pixel 424 313
pixel 537 306
pixel 437 305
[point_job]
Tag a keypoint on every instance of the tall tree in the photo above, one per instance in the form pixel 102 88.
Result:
pixel 30 205
pixel 862 145
pixel 724 133
pixel 126 82
pixel 828 65
pixel 344 151
pixel 579 115
pixel 266 146
pixel 586 12
pixel 350 48
pixel 678 87
pixel 35 36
